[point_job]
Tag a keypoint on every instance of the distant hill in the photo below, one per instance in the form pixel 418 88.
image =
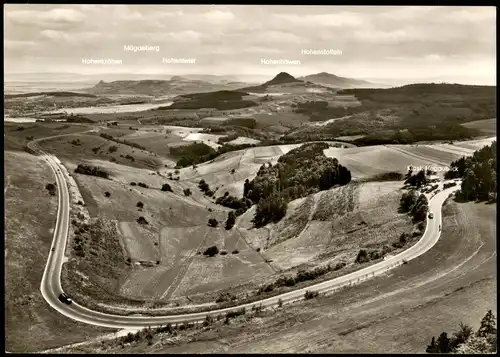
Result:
pixel 331 80
pixel 176 85
pixel 52 94
pixel 281 78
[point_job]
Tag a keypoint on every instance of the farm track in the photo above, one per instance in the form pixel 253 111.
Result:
pixel 417 156
pixel 259 253
pixel 183 268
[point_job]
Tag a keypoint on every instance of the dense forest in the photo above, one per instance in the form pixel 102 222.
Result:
pixel 197 153
pixel 402 115
pixel 220 100
pixel 91 170
pixel 298 173
pixel 478 173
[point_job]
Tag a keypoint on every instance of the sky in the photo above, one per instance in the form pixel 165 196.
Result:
pixel 384 44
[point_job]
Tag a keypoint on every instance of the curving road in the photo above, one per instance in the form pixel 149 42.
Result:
pixel 51 281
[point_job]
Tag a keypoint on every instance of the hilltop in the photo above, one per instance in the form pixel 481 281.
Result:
pixel 283 82
pixel 331 80
pixel 281 78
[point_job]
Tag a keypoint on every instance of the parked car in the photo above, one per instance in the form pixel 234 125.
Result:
pixel 65 299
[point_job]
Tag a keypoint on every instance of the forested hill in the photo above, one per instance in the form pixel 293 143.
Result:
pixel 479 173
pixel 298 173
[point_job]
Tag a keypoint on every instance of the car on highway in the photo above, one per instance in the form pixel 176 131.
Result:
pixel 431 215
pixel 65 299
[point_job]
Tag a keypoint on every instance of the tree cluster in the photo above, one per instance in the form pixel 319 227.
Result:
pixel 465 341
pixel 298 173
pixel 238 204
pixel 417 180
pixel 166 187
pixel 124 142
pixel 198 153
pixel 212 222
pixel 302 275
pixel 91 170
pixel 478 173
pixel 211 251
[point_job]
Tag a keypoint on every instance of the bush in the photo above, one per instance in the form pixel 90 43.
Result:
pixel 225 297
pixel 340 265
pixel 362 257
pixel 223 252
pixel 203 186
pixel 236 251
pixel 140 204
pixel 141 184
pixel 166 187
pixel 107 194
pixel 209 320
pixel 310 294
pixel 51 188
pixel 187 192
pixel 211 251
pixel 212 222
pixel 113 148
pixel 133 184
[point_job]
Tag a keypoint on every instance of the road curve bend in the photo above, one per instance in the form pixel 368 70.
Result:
pixel 51 282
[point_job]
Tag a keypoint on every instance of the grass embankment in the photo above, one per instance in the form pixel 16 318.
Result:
pixel 30 323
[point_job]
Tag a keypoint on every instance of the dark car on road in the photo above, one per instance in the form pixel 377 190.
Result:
pixel 65 299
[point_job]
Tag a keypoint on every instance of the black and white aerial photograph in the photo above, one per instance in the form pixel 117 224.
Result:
pixel 250 179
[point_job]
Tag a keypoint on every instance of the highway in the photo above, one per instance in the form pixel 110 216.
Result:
pixel 51 281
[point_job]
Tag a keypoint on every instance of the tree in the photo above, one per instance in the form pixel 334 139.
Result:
pixel 443 343
pixel 166 187
pixel 107 194
pixel 211 251
pixel 203 186
pixel 231 219
pixel 487 325
pixel 51 188
pixel 408 199
pixel 187 192
pixel 461 336
pixel 476 345
pixel 409 173
pixel 140 204
pixel 419 210
pixel 417 180
pixel 142 220
pixel 432 348
pixel 212 222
